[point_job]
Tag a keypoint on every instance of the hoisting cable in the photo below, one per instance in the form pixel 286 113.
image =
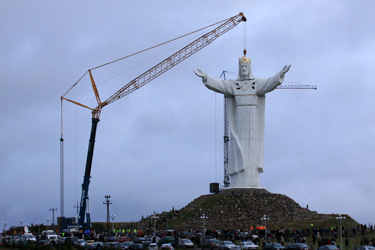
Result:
pixel 63 97
pixel 160 44
pixel 62 165
pixel 62 117
pixel 141 52
pixel 244 39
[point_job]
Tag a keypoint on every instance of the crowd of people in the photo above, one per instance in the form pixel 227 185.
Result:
pixel 314 237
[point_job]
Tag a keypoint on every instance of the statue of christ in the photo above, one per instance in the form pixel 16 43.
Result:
pixel 246 108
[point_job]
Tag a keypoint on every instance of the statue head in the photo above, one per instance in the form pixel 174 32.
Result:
pixel 244 69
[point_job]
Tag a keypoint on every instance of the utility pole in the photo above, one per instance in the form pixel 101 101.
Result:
pixel 113 218
pixel 48 218
pixel 21 222
pixel 265 218
pixel 5 225
pixel 53 216
pixel 340 218
pixel 77 207
pixel 204 217
pixel 155 217
pixel 108 202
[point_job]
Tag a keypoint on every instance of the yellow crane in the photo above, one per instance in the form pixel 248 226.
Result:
pixel 135 84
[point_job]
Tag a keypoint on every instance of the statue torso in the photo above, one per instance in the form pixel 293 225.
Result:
pixel 245 92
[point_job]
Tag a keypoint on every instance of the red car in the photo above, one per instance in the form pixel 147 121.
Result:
pixel 123 238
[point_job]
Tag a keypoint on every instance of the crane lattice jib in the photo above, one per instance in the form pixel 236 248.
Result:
pixel 174 59
pixel 297 86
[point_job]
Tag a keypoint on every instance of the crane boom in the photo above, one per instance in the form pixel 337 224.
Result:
pixel 135 84
pixel 175 59
pixel 297 86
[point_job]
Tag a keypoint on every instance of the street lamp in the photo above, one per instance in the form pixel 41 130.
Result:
pixel 155 217
pixel 5 228
pixel 113 218
pixel 340 218
pixel 53 216
pixel 21 222
pixel 204 217
pixel 48 219
pixel 77 222
pixel 265 218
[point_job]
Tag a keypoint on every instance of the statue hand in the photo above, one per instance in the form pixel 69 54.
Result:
pixel 286 68
pixel 201 74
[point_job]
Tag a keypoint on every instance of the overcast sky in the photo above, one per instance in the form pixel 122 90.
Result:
pixel 162 145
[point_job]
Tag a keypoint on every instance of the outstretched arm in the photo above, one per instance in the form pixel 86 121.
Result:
pixel 201 74
pixel 217 85
pixel 274 81
pixel 285 69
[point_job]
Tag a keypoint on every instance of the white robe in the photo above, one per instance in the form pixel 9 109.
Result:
pixel 246 109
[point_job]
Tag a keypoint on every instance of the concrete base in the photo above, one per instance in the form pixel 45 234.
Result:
pixel 249 190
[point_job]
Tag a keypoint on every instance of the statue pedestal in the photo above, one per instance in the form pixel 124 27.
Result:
pixel 241 189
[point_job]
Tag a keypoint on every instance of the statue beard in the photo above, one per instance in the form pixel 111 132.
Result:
pixel 248 76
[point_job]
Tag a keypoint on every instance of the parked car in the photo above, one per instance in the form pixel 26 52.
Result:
pixel 226 245
pixel 328 247
pixel 273 246
pixel 48 232
pixel 93 245
pixel 89 242
pixel 137 246
pixel 53 238
pixel 167 246
pixel 185 243
pixel 298 246
pixel 210 244
pixel 152 246
pixel 43 243
pixel 123 238
pixel 112 245
pixel 70 240
pixel 79 242
pixel 127 244
pixel 248 245
pixel 367 248
pixel 167 239
pixel 138 239
pixel 29 237
pixel 146 241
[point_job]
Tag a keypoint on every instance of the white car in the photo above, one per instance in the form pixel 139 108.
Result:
pixel 185 243
pixel 248 245
pixel 29 237
pixel 226 245
pixel 167 246
pixel 80 242
pixel 153 246
pixel 53 238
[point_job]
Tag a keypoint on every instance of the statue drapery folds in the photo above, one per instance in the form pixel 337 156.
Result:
pixel 246 110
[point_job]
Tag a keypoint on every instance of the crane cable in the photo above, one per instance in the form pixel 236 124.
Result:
pixel 125 58
pixel 155 46
pixel 62 97
pixel 160 44
pixel 244 38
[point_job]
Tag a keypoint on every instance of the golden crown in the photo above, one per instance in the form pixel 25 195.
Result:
pixel 244 59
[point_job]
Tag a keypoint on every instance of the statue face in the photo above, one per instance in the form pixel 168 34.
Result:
pixel 244 69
